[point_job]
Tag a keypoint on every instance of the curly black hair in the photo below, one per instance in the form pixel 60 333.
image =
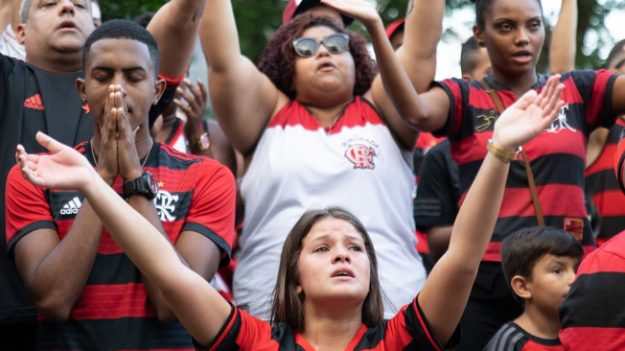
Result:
pixel 278 59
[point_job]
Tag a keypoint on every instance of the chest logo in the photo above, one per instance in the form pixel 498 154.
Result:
pixel 165 204
pixel 561 122
pixel 361 156
pixel 34 103
pixel 484 122
pixel 71 207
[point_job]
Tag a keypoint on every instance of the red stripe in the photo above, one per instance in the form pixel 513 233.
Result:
pixel 607 259
pixel 112 302
pixel 593 109
pixel 358 113
pixel 518 201
pixel 610 203
pixel 422 243
pixel 605 161
pixel 593 338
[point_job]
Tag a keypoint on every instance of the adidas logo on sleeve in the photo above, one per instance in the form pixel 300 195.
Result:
pixel 71 207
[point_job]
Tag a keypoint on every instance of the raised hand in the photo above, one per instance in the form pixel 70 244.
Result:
pixel 63 168
pixel 529 115
pixel 127 158
pixel 361 10
pixel 191 99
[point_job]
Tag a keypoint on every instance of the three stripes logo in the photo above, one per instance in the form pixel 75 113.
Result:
pixel 34 102
pixel 71 207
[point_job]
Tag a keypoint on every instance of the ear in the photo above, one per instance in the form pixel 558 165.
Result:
pixel 521 287
pixel 478 33
pixel 20 33
pixel 80 86
pixel 159 89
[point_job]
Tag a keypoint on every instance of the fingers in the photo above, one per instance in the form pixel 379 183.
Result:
pixel 525 100
pixel 49 143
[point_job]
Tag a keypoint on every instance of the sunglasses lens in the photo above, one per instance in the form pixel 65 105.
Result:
pixel 305 47
pixel 336 43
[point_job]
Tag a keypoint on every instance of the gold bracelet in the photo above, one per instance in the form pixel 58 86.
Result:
pixel 503 155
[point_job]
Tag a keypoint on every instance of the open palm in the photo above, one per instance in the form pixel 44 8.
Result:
pixel 62 168
pixel 529 115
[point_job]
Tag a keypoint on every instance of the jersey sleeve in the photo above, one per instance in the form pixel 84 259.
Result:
pixel 595 88
pixel 436 203
pixel 26 208
pixel 457 91
pixel 409 327
pixel 242 331
pixel 213 206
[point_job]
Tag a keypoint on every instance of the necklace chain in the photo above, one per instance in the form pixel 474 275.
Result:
pixel 95 158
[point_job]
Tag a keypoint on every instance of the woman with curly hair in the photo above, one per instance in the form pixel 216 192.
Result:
pixel 327 294
pixel 319 127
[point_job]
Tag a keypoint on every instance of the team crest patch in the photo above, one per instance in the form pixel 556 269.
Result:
pixel 165 204
pixel 575 226
pixel 561 122
pixel 361 152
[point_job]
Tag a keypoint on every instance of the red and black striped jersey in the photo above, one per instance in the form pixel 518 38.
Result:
pixel 593 314
pixel 196 194
pixel 557 155
pixel 511 337
pixel 603 188
pixel 407 330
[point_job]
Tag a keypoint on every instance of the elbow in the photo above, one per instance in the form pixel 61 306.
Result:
pixel 165 315
pixel 54 309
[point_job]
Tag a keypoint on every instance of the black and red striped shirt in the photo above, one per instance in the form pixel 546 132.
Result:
pixel 196 194
pixel 593 314
pixel 603 188
pixel 557 155
pixel 407 330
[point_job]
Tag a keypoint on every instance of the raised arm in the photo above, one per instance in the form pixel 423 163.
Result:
pixel 564 39
pixel 196 304
pixel 175 26
pixel 243 98
pixel 456 270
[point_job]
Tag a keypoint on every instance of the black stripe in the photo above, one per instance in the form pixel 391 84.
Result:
pixel 611 225
pixel 595 300
pixel 165 160
pixel 548 170
pixel 601 181
pixel 29 228
pixel 113 269
pixel 115 334
pixel 504 225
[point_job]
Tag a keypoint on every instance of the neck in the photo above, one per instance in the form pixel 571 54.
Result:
pixel 519 84
pixel 162 127
pixel 57 62
pixel 539 323
pixel 331 327
pixel 327 116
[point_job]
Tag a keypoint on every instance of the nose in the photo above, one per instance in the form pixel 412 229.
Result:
pixel 342 255
pixel 570 277
pixel 322 50
pixel 67 6
pixel 522 37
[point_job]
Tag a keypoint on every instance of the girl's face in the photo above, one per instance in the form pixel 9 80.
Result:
pixel 333 264
pixel 324 73
pixel 514 35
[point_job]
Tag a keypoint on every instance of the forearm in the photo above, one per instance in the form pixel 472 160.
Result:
pixel 219 36
pixel 6 11
pixel 72 259
pixel 564 39
pixel 423 28
pixel 175 28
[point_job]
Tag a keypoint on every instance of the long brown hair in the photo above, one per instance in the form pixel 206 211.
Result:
pixel 288 305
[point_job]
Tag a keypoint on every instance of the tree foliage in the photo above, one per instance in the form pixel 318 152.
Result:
pixel 256 20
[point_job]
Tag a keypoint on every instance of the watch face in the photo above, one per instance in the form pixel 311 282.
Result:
pixel 151 182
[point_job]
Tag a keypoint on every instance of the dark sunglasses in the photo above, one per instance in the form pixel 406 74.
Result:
pixel 336 43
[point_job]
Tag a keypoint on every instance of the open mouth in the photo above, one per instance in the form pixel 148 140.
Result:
pixel 67 24
pixel 343 273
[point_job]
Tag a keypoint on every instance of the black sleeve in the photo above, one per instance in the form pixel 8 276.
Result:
pixel 436 203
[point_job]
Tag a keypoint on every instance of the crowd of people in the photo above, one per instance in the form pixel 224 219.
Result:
pixel 340 200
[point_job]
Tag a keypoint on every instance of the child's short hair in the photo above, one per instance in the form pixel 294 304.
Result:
pixel 521 249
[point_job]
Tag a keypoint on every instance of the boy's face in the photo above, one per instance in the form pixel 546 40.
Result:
pixel 123 62
pixel 551 280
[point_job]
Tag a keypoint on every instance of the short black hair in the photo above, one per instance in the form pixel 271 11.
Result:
pixel 481 6
pixel 522 249
pixel 123 29
pixel 468 53
pixel 618 47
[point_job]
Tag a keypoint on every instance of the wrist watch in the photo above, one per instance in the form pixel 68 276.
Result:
pixel 202 142
pixel 145 186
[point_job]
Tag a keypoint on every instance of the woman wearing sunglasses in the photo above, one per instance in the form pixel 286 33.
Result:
pixel 327 293
pixel 319 128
